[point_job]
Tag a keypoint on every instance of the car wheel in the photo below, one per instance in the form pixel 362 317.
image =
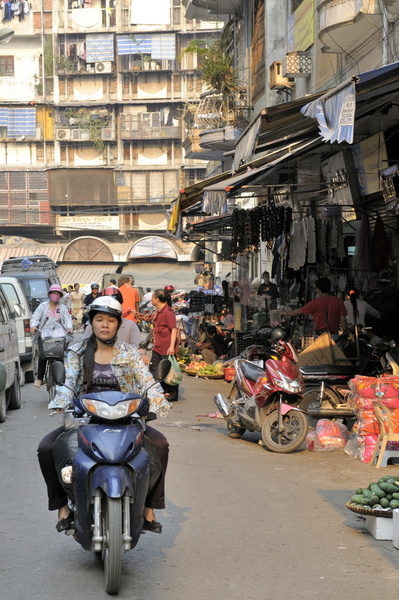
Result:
pixel 3 407
pixel 14 393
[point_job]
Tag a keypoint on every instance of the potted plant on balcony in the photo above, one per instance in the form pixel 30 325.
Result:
pixel 64 65
pixel 218 72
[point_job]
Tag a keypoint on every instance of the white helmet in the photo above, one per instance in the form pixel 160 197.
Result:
pixel 105 304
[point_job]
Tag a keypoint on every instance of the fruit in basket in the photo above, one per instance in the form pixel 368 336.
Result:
pixel 381 494
pixel 208 370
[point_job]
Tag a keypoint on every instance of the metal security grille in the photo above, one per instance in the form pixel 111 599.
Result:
pixel 24 198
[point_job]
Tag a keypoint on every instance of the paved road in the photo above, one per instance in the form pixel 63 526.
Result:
pixel 241 523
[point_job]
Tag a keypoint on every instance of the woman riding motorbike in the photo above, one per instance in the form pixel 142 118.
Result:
pixel 98 363
pixel 53 310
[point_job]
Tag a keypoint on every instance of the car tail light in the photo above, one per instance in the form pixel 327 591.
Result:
pixel 27 327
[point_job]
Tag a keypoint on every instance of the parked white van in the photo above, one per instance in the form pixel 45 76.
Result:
pixel 16 296
pixel 10 390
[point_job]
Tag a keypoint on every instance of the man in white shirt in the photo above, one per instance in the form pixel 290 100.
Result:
pixel 147 296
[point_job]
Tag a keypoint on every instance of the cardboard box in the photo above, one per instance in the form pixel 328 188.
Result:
pixel 321 352
pixel 395 520
pixel 380 527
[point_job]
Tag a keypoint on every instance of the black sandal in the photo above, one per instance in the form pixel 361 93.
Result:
pixel 65 524
pixel 153 526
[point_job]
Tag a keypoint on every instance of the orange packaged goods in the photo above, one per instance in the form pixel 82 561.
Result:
pixel 376 388
pixel 366 447
pixel 367 424
pixel 360 403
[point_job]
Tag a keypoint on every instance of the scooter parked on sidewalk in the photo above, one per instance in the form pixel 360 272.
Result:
pixel 107 468
pixel 267 399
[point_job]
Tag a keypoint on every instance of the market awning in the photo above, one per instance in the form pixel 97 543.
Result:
pixel 210 224
pixel 53 252
pixel 335 111
pixel 251 175
pixel 84 274
pixel 188 197
pixel 153 247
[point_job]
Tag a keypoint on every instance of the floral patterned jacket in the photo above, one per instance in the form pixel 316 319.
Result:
pixel 132 374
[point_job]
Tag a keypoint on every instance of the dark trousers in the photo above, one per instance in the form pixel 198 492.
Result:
pixel 172 390
pixel 55 492
pixel 41 368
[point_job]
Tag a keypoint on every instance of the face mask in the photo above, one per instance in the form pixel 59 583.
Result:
pixel 54 298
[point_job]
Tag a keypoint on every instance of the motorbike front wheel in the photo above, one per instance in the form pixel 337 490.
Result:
pixel 112 544
pixel 290 436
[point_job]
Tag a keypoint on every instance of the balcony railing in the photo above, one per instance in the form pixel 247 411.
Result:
pixel 147 133
pixel 344 22
pixel 129 64
pixel 215 111
pixel 88 20
pixel 392 6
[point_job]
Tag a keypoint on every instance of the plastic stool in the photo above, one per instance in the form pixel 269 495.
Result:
pixel 387 455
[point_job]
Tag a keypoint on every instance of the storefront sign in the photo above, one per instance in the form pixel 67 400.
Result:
pixel 102 223
pixel 300 27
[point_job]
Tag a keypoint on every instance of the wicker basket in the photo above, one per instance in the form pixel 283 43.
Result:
pixel 360 510
pixel 191 372
pixel 216 376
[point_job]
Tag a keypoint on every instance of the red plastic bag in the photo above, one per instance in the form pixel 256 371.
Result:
pixel 331 434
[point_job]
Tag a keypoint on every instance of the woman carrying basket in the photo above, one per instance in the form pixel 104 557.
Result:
pixel 52 310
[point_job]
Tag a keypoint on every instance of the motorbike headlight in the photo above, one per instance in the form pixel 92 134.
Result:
pixel 105 411
pixel 294 386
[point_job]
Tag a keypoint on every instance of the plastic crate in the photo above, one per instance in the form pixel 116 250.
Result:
pixel 243 340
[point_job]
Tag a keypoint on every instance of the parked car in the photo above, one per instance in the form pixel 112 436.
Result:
pixel 16 296
pixel 10 395
pixel 36 273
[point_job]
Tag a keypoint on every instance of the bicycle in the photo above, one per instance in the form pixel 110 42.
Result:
pixel 48 379
pixel 52 349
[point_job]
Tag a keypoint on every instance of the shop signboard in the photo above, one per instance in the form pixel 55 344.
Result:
pixel 97 222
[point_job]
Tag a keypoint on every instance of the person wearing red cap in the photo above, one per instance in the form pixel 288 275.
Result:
pixel 52 310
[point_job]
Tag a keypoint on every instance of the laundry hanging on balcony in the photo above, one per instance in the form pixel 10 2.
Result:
pixel 18 121
pixel 160 47
pixel 99 47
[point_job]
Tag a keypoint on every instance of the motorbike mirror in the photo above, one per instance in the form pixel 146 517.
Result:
pixel 58 372
pixel 163 369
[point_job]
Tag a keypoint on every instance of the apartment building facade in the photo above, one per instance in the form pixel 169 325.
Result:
pixel 92 98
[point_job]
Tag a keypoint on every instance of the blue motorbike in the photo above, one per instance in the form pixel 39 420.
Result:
pixel 107 467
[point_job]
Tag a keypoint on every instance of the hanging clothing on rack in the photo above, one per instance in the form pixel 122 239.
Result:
pixel 363 250
pixel 298 243
pixel 8 13
pixel 381 245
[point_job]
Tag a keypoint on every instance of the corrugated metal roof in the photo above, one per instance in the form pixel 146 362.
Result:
pixel 84 274
pixel 52 252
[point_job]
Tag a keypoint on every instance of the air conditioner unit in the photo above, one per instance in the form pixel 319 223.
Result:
pixel 297 64
pixel 39 133
pixel 107 133
pixel 80 134
pixel 276 79
pixel 103 67
pixel 62 134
